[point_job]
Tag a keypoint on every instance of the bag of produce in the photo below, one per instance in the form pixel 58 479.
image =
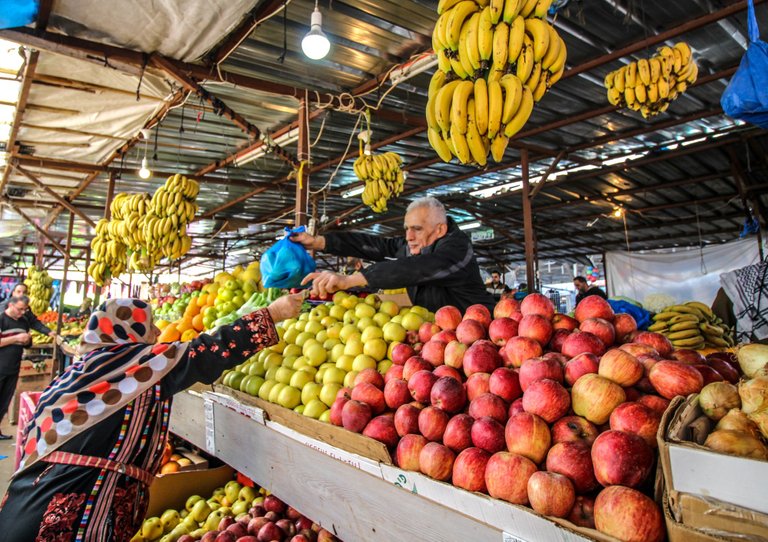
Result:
pixel 285 263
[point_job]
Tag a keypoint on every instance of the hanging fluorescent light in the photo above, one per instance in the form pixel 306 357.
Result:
pixel 413 69
pixel 469 225
pixel 291 136
pixel 316 44
pixel 353 191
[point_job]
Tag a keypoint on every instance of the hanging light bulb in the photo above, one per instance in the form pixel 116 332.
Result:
pixel 618 212
pixel 145 172
pixel 315 44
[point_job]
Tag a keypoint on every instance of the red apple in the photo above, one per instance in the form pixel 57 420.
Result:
pixel 515 407
pixel 488 434
pixel 563 321
pixel 574 429
pixel 267 533
pixel 537 304
pixel 446 335
pixel 368 393
pixel 648 361
pixel 584 363
pixel 505 307
pixel 556 356
pixel 420 385
pixel 583 512
pixel 639 348
pixel 595 397
pixel 225 523
pixel 633 393
pixel 285 524
pixel 415 364
pixel 618 366
pixel 457 435
pixel 638 419
pixel 274 504
pixel 558 339
pixel 255 525
pixel 355 415
pixel 573 459
pixel 326 536
pixel 551 494
pixel 626 514
pixel 593 307
pixel 534 369
pixel 547 399
pixel 448 394
pixel 582 341
pixel 688 356
pixel 481 357
pixel 488 404
pixel 445 370
pixel 478 384
pixel 407 420
pixel 505 383
pixel 434 352
pixel 395 372
pixel 621 459
pixel 453 355
pixel 436 461
pixel 344 392
pixel 501 330
pixel 210 536
pixel 470 331
pixel 516 316
pixel 301 537
pixel 469 470
pixel 535 327
pixel 519 349
pixel 371 376
pixel 396 394
pixel 427 330
pixel 528 435
pixel 624 324
pixel 726 369
pixel 408 450
pixel 382 428
pixel 506 477
pixel 708 374
pixel 432 423
pixel 656 403
pixel 656 340
pixel 600 328
pixel 479 313
pixel 448 317
pixel 336 410
pixel 401 352
pixel 671 378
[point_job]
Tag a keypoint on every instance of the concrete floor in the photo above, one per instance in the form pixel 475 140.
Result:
pixel 7 454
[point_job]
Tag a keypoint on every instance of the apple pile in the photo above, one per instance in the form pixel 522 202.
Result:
pixel 234 513
pixel 532 407
pixel 328 348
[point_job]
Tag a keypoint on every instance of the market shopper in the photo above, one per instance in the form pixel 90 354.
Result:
pixel 21 290
pixel 495 286
pixel 98 432
pixel 14 336
pixel 584 290
pixel 434 261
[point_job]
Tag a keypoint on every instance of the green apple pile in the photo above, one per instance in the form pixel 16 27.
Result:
pixel 172 311
pixel 324 350
pixel 232 290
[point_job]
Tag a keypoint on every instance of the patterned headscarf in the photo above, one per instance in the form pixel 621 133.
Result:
pixel 118 365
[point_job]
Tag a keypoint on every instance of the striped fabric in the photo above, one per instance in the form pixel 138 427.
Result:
pixel 747 289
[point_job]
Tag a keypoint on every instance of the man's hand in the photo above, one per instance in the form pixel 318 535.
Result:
pixel 285 307
pixel 52 334
pixel 22 338
pixel 328 282
pixel 309 242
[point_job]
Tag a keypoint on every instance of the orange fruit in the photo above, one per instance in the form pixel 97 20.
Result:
pixel 170 467
pixel 188 335
pixel 170 334
pixel 197 322
pixel 202 300
pixel 184 324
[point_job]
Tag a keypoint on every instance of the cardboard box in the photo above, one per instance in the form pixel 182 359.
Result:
pixel 717 518
pixel 677 532
pixel 172 490
pixel 198 461
pixel 322 431
pixel 402 300
pixel 693 469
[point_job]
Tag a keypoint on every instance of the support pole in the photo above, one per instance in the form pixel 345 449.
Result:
pixel 302 179
pixel 527 223
pixel 110 195
pixel 87 281
pixel 63 288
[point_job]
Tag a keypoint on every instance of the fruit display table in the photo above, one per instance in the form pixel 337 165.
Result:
pixel 352 496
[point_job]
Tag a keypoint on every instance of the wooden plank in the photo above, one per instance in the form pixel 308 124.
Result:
pixel 71 208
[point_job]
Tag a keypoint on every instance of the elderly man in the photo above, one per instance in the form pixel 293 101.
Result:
pixel 14 336
pixel 435 261
pixel 21 290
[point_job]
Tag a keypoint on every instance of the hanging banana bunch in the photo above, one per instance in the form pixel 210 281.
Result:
pixel 39 289
pixel 109 254
pixel 496 59
pixel 171 209
pixel 383 177
pixel 650 85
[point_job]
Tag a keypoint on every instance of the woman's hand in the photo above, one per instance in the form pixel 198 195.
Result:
pixel 286 307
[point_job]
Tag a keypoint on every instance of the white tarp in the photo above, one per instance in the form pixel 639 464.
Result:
pixel 684 274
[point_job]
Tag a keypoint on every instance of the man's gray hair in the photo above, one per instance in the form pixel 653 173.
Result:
pixel 19 299
pixel 433 204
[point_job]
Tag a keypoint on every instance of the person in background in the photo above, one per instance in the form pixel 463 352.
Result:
pixel 495 286
pixel 435 260
pixel 85 308
pixel 21 290
pixel 521 292
pixel 353 265
pixel 584 290
pixel 98 432
pixel 14 336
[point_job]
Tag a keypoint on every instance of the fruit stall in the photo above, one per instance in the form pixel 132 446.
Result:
pixel 164 152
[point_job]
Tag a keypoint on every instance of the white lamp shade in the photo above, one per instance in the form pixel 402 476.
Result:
pixel 315 44
pixel 144 172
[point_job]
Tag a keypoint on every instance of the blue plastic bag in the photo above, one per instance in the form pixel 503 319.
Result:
pixel 285 263
pixel 641 316
pixel 746 97
pixel 18 13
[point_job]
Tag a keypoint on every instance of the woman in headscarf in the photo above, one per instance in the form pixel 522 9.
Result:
pixel 97 436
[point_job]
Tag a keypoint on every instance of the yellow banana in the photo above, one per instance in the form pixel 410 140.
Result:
pixel 436 83
pixel 640 94
pixel 614 96
pixel 513 94
pixel 475 142
pixel 630 75
pixel 533 79
pixel 528 7
pixel 498 146
pixel 558 66
pixel 439 144
pixel 485 35
pixel 644 71
pixel 629 97
pixel 537 29
pixel 541 88
pixel 497 8
pixel 667 63
pixel 500 46
pixel 687 309
pixel 443 102
pixel 618 79
pixel 683 326
pixel 553 78
pixel 516 35
pixel 653 93
pixel 457 67
pixel 657 326
pixel 554 48
pixel 677 60
pixel 663 86
pixel 445 5
pixel 495 107
pixel 701 307
pixel 522 114
pixel 460 146
pixel 459 106
pixel 481 105
pixel 690 342
pixel 459 13
pixel 511 9
pixel 443 62
pixel 525 60
pixel 694 73
pixel 541 9
pixel 654 65
pixel 472 44
pixel 463 53
pixel 685 52
pixel 684 334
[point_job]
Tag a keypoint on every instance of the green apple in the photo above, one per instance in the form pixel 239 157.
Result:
pixel 254 385
pixel 380 319
pixel 384 366
pixel 290 361
pixel 235 378
pixel 345 362
pixel 349 379
pixel 299 409
pixel 350 302
pixel 284 374
pixel 270 373
pixel 314 408
pixel 334 375
pixel 322 336
pixel 393 331
pixel 299 326
pixel 184 513
pixel 266 389
pixel 328 393
pixel 299 379
pixel 257 369
pixel 290 335
pixel 310 391
pixel 197 534
pixel 314 327
pixel 337 312
pixel 200 510
pixel 397 319
pixel 328 321
pixel 152 528
pixel 376 348
pixel 213 504
pixel 274 393
pixel 316 354
pixel 421 311
pixel 338 296
pixel 292 350
pixel 362 362
pixel 300 363
pixel 364 323
pixel 289 397
pixel 325 416
pixel 309 369
pixel 347 331
pixel 244 383
pixel 412 321
pixel 247 494
pixel 304 316
pixel 191 502
pixel 273 360
pixel 350 318
pixel 363 310
pixel 370 333
pixel 232 490
pixel 218 494
pixel 279 347
pixel 304 336
pixel 240 507
pixel 319 374
pixel 354 347
pixel 328 344
pixel 336 352
pixel 212 523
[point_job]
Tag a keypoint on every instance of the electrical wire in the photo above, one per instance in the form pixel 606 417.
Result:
pixel 352 135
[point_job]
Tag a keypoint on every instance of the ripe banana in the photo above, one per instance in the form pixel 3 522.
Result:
pixel 539 33
pixel 498 146
pixel 459 106
pixel 481 105
pixel 511 9
pixel 440 145
pixel 459 14
pixel 495 108
pixel 516 35
pixel 522 114
pixel 500 46
pixel 525 60
pixel 460 145
pixel 485 36
pixel 554 48
pixel 513 93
